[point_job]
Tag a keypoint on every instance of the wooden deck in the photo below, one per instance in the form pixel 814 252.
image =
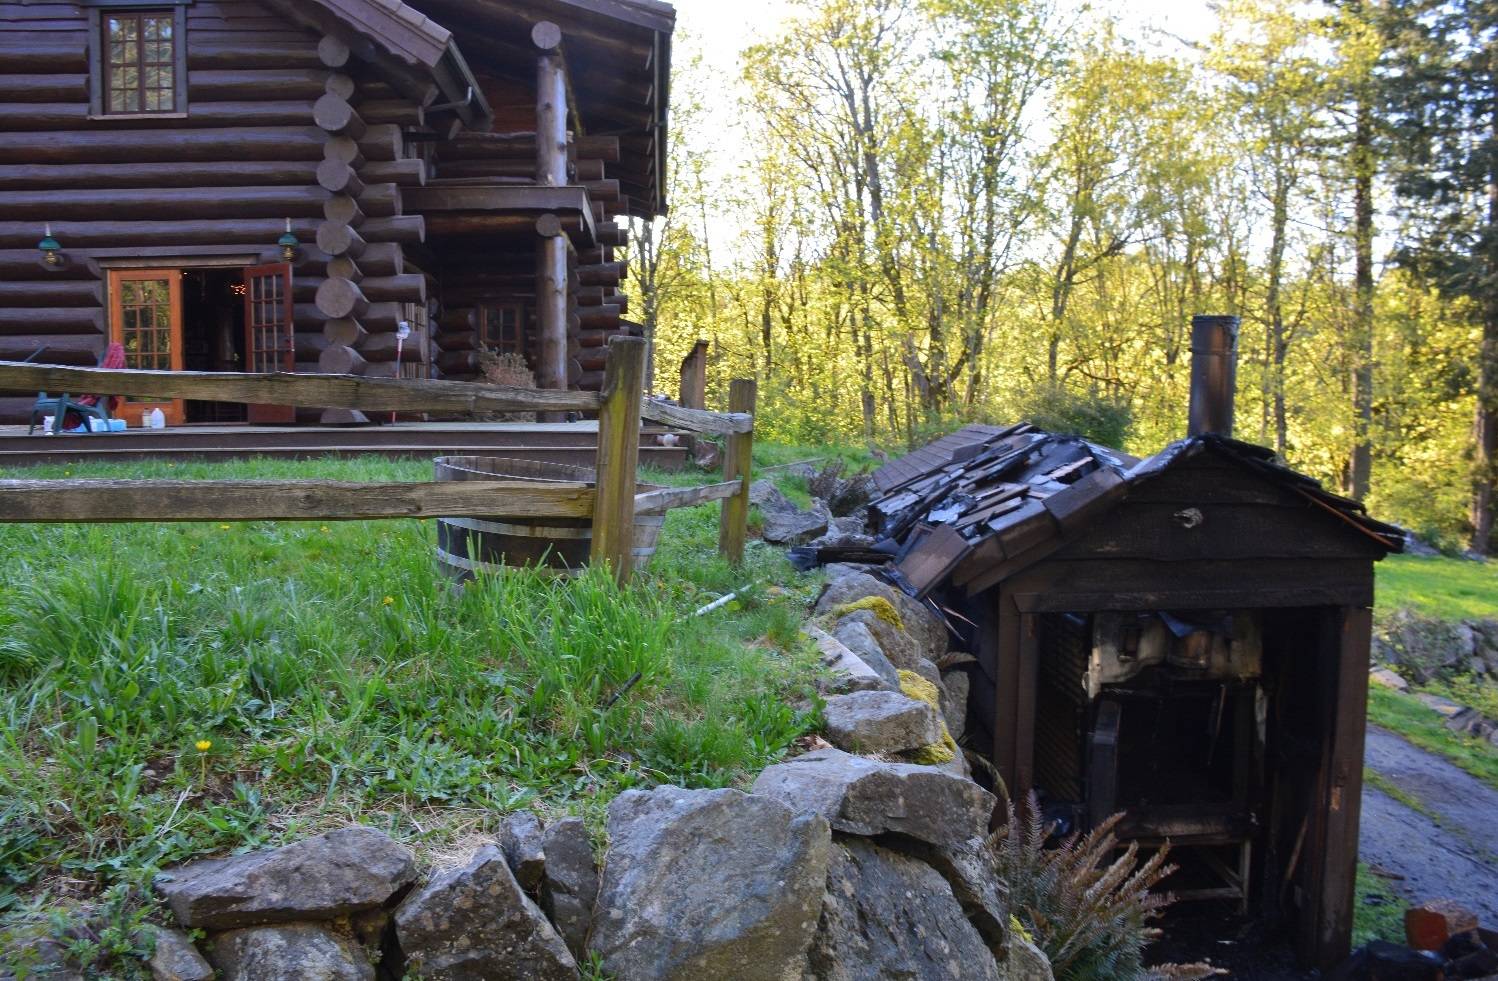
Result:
pixel 569 443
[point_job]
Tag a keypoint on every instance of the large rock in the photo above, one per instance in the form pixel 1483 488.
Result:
pixel 880 722
pixel 972 874
pixel 521 839
pixel 1026 961
pixel 1426 647
pixel 890 916
pixel 924 626
pixel 956 685
pixel 475 922
pixel 174 958
pixel 850 672
pixel 569 885
pixel 795 527
pixel 709 884
pixel 321 878
pixel 764 495
pixel 868 797
pixel 305 951
pixel 858 638
pixel 896 644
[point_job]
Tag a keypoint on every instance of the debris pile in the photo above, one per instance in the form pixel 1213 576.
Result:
pixel 1443 940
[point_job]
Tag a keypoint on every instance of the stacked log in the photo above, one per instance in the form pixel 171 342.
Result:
pixel 364 296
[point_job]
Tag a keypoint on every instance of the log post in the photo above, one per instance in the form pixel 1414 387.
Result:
pixel 733 527
pixel 619 456
pixel 694 377
pixel 551 106
pixel 551 305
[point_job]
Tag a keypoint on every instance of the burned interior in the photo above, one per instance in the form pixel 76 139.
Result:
pixel 1182 638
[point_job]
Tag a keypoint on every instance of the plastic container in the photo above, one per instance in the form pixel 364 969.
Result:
pixel 156 419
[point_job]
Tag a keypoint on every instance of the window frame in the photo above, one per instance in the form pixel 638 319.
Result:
pixel 98 67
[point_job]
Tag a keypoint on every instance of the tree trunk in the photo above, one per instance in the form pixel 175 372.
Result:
pixel 1486 429
pixel 1275 380
pixel 1362 375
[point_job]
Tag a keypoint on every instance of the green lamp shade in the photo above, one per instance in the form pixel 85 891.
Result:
pixel 288 241
pixel 49 244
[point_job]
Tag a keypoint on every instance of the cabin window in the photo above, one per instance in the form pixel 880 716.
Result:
pixel 138 63
pixel 503 330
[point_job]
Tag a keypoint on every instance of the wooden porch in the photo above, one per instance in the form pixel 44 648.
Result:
pixel 572 443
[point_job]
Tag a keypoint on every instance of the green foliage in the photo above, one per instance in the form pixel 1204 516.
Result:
pixel 339 676
pixel 1087 906
pixel 1101 418
pixel 952 211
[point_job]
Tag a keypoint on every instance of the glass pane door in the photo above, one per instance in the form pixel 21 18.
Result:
pixel 146 320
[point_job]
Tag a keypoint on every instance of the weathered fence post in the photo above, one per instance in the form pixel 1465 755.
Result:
pixel 734 524
pixel 618 455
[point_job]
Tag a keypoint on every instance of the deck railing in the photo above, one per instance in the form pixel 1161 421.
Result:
pixel 611 503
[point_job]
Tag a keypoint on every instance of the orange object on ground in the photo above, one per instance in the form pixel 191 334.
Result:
pixel 1429 925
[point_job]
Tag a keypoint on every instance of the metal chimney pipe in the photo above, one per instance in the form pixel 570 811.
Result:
pixel 1214 374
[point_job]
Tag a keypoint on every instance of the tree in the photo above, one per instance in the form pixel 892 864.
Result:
pixel 1279 93
pixel 1441 90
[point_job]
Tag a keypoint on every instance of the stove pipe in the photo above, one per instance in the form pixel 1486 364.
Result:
pixel 1214 375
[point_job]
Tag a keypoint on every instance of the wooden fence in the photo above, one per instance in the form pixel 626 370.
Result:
pixel 611 503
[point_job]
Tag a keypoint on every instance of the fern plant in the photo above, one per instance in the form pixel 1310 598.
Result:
pixel 1088 906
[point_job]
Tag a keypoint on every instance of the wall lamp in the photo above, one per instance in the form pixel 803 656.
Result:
pixel 288 243
pixel 51 248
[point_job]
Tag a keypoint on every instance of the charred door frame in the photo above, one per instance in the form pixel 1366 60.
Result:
pixel 1009 640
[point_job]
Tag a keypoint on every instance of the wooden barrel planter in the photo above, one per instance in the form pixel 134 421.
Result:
pixel 467 547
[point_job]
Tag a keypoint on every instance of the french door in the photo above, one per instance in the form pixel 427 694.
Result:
pixel 145 318
pixel 270 332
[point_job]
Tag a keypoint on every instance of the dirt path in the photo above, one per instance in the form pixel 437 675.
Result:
pixel 1448 851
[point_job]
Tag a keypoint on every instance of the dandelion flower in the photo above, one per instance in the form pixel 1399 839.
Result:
pixel 224 527
pixel 389 601
pixel 326 529
pixel 204 745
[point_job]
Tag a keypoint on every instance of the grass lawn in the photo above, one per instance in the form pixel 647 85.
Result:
pixel 1378 912
pixel 1449 589
pixel 169 691
pixel 1452 589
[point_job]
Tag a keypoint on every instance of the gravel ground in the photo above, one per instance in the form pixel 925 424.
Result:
pixel 1451 852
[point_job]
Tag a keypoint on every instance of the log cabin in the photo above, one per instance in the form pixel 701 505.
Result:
pixel 340 186
pixel 1183 639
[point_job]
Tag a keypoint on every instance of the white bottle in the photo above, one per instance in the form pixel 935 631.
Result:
pixel 157 419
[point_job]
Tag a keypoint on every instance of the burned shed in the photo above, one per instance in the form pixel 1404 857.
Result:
pixel 1182 638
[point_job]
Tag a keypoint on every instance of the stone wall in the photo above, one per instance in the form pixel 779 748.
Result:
pixel 833 866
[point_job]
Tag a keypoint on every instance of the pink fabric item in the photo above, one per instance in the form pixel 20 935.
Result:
pixel 114 360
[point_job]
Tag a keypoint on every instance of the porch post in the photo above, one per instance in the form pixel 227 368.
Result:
pixel 551 171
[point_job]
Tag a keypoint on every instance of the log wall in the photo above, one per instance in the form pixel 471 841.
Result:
pixel 269 107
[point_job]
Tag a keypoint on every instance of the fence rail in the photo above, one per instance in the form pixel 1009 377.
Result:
pixel 611 504
pixel 347 392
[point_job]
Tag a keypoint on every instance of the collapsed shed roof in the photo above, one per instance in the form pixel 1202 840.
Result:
pixel 987 498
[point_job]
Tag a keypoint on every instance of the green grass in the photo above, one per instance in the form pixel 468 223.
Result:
pixel 1452 589
pixel 1414 721
pixel 1378 912
pixel 339 677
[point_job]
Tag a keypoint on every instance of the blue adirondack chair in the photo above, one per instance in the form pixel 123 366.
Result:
pixel 58 407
